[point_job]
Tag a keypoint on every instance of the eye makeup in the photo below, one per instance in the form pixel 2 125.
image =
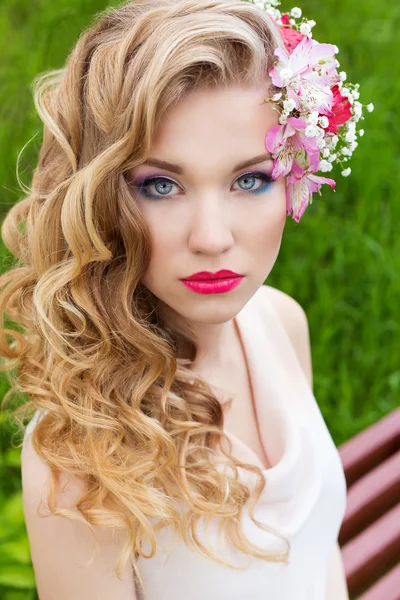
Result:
pixel 142 185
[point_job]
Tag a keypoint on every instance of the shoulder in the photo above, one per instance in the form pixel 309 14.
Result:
pixel 294 321
pixel 36 477
pixel 60 547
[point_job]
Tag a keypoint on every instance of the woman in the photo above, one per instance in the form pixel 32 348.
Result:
pixel 174 414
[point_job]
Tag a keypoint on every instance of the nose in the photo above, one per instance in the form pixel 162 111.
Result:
pixel 210 231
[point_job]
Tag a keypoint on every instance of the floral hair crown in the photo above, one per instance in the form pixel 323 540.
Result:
pixel 318 111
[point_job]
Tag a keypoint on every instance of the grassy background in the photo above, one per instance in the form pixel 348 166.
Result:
pixel 341 263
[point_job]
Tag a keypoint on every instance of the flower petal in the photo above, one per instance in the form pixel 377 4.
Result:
pixel 297 198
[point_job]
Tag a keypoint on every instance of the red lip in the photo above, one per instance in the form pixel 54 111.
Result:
pixel 208 276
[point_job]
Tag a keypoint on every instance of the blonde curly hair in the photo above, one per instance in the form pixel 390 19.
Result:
pixel 121 407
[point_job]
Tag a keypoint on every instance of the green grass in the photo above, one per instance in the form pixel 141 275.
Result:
pixel 342 263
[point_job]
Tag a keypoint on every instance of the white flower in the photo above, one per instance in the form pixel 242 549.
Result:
pixel 313 117
pixel 345 91
pixel 325 166
pixel 260 4
pixel 334 140
pixel 346 151
pixel 336 49
pixel 277 97
pixel 326 153
pixel 274 13
pixel 286 75
pixel 356 94
pixel 332 157
pixel 283 118
pixel 361 132
pixel 346 172
pixel 296 12
pixel 289 105
pixel 343 76
pixel 323 121
pixel 292 21
pixel 305 29
pixel 350 136
pixel 353 146
pixel 311 131
pixel 370 107
pixel 321 143
pixel 312 23
pixel 357 107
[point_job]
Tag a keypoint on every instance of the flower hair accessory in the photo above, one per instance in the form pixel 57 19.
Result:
pixel 319 113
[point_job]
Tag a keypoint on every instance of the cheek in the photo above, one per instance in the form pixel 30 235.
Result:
pixel 267 225
pixel 164 245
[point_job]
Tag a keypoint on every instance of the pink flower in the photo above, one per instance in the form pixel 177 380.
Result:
pixel 308 73
pixel 341 111
pixel 300 187
pixel 291 37
pixel 286 141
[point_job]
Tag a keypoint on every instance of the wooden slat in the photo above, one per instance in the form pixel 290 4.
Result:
pixel 387 588
pixel 368 556
pixel 370 497
pixel 368 448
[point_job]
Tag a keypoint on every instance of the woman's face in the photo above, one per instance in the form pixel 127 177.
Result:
pixel 205 210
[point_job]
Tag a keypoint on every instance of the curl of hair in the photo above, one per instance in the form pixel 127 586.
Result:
pixel 122 409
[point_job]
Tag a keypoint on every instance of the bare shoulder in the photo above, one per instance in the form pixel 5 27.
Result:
pixel 60 547
pixel 295 322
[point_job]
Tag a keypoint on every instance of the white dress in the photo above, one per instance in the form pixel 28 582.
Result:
pixel 304 497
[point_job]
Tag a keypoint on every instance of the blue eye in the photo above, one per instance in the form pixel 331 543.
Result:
pixel 251 177
pixel 163 185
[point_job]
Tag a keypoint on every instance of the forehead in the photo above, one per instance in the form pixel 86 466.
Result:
pixel 212 127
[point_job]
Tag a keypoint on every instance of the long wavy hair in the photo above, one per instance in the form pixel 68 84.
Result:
pixel 121 407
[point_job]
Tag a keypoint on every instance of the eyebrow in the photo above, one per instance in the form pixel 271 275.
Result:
pixel 162 164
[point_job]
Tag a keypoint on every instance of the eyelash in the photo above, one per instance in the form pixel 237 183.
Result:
pixel 146 183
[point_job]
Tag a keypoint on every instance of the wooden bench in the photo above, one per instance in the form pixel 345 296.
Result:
pixel 370 534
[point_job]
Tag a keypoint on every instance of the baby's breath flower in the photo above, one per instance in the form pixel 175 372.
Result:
pixel 289 105
pixel 277 97
pixel 343 76
pixel 346 151
pixel 325 166
pixel 346 172
pixel 350 136
pixel 370 107
pixel 283 118
pixel 334 140
pixel 311 131
pixel 305 29
pixel 323 121
pixel 326 152
pixel 361 132
pixel 357 108
pixel 313 117
pixel 296 12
